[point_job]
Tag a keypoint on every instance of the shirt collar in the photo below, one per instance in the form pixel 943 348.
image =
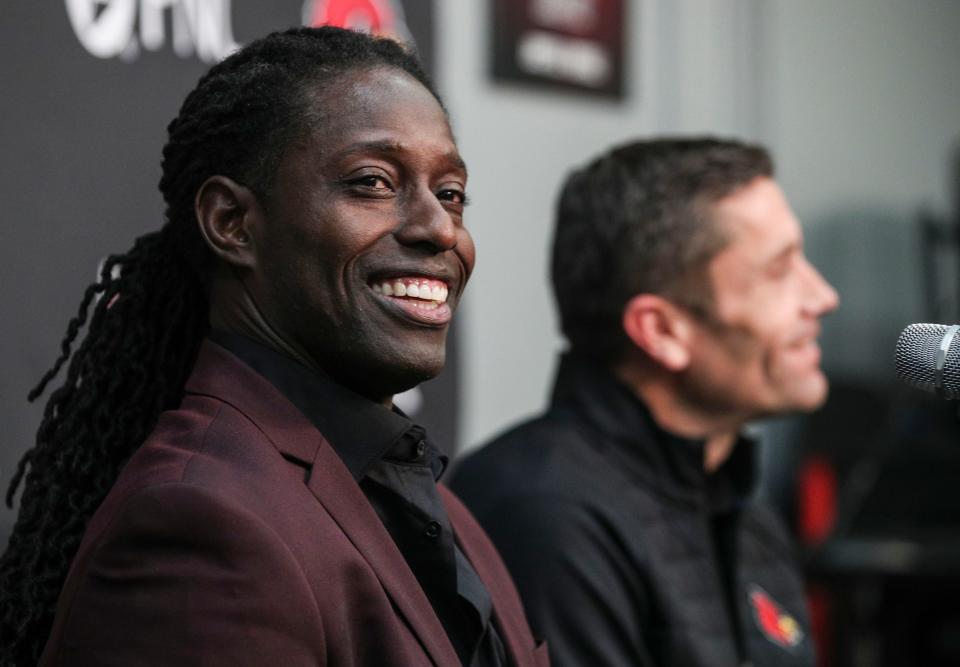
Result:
pixel 671 462
pixel 360 431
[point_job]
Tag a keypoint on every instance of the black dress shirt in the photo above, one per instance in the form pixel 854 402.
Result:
pixel 397 468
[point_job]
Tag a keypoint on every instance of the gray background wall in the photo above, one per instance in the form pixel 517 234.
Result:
pixel 866 110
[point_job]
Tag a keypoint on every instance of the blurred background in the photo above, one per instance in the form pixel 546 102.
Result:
pixel 859 101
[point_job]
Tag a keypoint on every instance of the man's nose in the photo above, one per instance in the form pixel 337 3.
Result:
pixel 822 298
pixel 426 223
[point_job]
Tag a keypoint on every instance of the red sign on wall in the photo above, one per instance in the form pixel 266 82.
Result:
pixel 568 44
pixel 380 17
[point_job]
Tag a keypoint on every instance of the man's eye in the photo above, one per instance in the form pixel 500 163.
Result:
pixel 372 181
pixel 780 269
pixel 455 196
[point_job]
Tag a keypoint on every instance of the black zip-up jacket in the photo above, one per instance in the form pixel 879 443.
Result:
pixel 626 552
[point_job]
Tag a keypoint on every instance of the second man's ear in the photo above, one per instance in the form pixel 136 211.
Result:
pixel 659 329
pixel 226 214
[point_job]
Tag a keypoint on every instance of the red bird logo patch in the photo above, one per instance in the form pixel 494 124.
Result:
pixel 777 625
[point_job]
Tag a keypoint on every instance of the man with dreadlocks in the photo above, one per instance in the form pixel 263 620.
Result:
pixel 222 478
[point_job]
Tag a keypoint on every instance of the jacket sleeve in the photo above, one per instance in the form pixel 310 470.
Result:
pixel 581 592
pixel 179 577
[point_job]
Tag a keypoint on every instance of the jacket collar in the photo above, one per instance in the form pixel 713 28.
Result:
pixel 360 431
pixel 669 463
pixel 221 375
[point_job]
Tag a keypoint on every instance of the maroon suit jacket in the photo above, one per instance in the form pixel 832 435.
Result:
pixel 236 536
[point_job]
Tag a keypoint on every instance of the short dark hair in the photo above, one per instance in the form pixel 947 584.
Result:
pixel 149 310
pixel 636 220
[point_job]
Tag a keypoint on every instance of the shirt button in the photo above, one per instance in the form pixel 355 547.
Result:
pixel 432 530
pixel 421 449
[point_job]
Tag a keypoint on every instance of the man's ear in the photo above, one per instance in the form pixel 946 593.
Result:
pixel 225 213
pixel 660 329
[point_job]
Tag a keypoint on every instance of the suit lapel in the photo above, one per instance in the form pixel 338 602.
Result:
pixel 221 375
pixel 336 490
pixel 507 608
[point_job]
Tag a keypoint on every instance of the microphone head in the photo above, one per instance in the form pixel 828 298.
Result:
pixel 918 349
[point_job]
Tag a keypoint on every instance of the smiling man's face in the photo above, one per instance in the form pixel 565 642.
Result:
pixel 757 353
pixel 362 255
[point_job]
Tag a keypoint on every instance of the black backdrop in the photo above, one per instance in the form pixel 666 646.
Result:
pixel 81 138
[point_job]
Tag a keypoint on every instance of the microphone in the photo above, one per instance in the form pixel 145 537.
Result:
pixel 928 358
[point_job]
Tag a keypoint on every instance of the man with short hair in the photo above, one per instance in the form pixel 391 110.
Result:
pixel 623 512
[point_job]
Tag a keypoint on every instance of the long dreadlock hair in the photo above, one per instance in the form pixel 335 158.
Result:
pixel 148 311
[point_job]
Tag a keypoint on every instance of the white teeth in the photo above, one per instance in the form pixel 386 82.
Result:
pixel 434 295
